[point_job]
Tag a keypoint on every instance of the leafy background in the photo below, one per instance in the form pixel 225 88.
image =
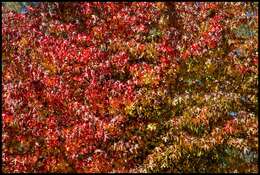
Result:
pixel 174 92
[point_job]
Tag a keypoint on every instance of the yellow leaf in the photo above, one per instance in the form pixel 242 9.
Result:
pixel 50 67
pixel 152 126
pixel 23 42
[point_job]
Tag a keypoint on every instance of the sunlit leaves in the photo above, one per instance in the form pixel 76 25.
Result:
pixel 130 87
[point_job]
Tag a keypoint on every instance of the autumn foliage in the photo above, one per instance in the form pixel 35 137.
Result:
pixel 130 87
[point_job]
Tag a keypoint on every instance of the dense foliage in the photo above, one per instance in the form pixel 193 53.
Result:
pixel 130 87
